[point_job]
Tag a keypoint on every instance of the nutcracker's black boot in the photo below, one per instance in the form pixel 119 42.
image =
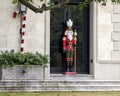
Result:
pixel 71 67
pixel 68 69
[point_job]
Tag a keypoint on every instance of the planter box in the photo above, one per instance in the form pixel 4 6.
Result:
pixel 20 72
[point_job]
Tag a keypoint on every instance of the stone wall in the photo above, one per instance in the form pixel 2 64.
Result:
pixel 107 63
pixel 116 33
pixel 104 30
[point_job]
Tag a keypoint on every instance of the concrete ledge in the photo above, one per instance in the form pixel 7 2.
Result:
pixel 109 61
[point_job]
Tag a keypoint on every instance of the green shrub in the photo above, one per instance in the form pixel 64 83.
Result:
pixel 11 58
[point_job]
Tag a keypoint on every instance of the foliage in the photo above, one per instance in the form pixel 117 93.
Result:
pixel 100 1
pixel 16 1
pixel 10 59
pixel 59 3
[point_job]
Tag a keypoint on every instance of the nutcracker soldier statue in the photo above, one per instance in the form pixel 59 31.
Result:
pixel 69 45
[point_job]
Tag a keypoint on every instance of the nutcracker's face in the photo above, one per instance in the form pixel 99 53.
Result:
pixel 69 27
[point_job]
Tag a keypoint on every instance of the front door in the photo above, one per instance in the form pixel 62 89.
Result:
pixel 80 20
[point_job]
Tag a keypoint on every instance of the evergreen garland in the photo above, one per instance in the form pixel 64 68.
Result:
pixel 10 59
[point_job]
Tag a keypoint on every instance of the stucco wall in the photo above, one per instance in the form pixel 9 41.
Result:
pixel 10 29
pixel 36 34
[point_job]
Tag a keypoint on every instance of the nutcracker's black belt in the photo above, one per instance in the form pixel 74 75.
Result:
pixel 69 44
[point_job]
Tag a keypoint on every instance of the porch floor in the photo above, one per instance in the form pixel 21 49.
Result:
pixel 71 77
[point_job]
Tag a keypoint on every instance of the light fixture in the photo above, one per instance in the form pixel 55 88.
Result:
pixel 22 8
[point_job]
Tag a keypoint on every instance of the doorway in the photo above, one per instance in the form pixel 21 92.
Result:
pixel 80 20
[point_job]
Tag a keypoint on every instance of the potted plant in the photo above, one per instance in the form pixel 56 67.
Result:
pixel 17 65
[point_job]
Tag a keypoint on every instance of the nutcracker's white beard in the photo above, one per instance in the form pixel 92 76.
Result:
pixel 70 37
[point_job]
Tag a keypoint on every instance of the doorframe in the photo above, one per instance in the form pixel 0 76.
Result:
pixel 93 37
pixel 46 70
pixel 92 41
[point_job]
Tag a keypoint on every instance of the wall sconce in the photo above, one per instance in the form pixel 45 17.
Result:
pixel 22 8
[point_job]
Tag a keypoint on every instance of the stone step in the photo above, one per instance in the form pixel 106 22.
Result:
pixel 58 82
pixel 73 77
pixel 61 88
pixel 53 85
